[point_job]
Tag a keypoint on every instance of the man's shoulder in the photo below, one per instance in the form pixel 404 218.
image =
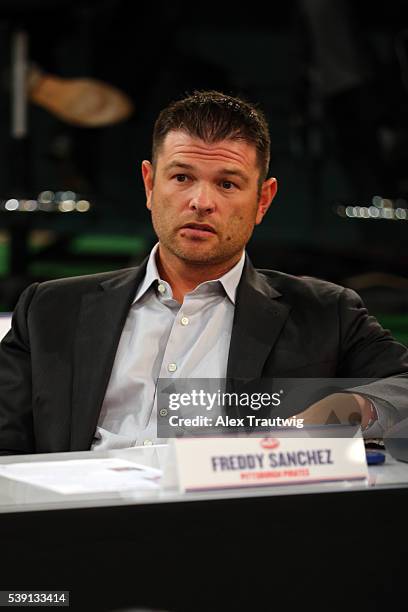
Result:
pixel 87 282
pixel 291 287
pixel 65 294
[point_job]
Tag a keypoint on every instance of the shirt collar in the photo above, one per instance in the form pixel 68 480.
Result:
pixel 229 280
pixel 151 275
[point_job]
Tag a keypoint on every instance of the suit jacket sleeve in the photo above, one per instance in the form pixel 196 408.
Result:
pixel 16 417
pixel 369 351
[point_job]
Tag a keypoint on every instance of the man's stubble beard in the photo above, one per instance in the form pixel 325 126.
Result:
pixel 222 251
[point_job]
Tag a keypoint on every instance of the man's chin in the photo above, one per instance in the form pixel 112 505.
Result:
pixel 199 258
pixel 197 254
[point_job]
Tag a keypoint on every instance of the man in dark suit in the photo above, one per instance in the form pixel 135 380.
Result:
pixel 78 369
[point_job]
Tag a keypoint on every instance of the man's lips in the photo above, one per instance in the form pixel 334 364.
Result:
pixel 199 229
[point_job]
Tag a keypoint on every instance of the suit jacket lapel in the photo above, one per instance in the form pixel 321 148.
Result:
pixel 258 320
pixel 102 317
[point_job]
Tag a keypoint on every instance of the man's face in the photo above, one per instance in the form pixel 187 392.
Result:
pixel 204 198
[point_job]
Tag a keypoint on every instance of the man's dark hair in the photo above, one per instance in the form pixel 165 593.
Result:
pixel 213 116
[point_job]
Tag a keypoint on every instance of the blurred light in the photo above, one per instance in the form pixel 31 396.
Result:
pixel 11 204
pixel 381 208
pixel 29 205
pixel 66 206
pixel 83 205
pixel 47 206
pixel 46 196
pixel 68 195
pixel 47 203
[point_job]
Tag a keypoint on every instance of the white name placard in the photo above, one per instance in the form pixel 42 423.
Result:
pixel 225 463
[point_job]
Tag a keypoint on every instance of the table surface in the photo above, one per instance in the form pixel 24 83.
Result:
pixel 16 497
pixel 155 549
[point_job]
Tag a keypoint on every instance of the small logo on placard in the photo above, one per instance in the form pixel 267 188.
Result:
pixel 269 443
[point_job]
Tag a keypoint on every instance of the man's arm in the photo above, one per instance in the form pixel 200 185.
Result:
pixel 16 418
pixel 367 351
pixel 345 408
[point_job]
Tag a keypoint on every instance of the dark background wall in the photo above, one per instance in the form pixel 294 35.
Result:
pixel 331 76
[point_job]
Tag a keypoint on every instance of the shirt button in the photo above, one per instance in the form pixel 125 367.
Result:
pixel 161 288
pixel 172 367
pixel 184 320
pixel 147 443
pixel 163 412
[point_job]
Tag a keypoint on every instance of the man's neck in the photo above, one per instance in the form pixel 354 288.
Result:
pixel 183 277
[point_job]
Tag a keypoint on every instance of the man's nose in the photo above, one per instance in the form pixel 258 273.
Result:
pixel 202 200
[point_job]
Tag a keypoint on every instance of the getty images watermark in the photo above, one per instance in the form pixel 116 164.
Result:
pixel 218 407
pixel 214 407
pixel 211 401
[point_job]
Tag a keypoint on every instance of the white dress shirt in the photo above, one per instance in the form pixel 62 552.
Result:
pixel 163 339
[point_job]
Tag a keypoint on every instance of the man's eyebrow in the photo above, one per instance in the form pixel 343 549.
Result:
pixel 233 172
pixel 178 164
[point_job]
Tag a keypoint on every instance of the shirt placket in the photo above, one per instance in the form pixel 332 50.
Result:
pixel 172 356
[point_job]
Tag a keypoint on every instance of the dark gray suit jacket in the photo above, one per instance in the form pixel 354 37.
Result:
pixel 56 361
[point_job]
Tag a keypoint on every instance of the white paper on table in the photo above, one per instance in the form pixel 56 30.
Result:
pixel 84 475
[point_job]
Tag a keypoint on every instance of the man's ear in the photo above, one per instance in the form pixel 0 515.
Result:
pixel 147 173
pixel 268 192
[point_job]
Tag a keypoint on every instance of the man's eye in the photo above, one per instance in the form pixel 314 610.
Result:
pixel 227 185
pixel 181 178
